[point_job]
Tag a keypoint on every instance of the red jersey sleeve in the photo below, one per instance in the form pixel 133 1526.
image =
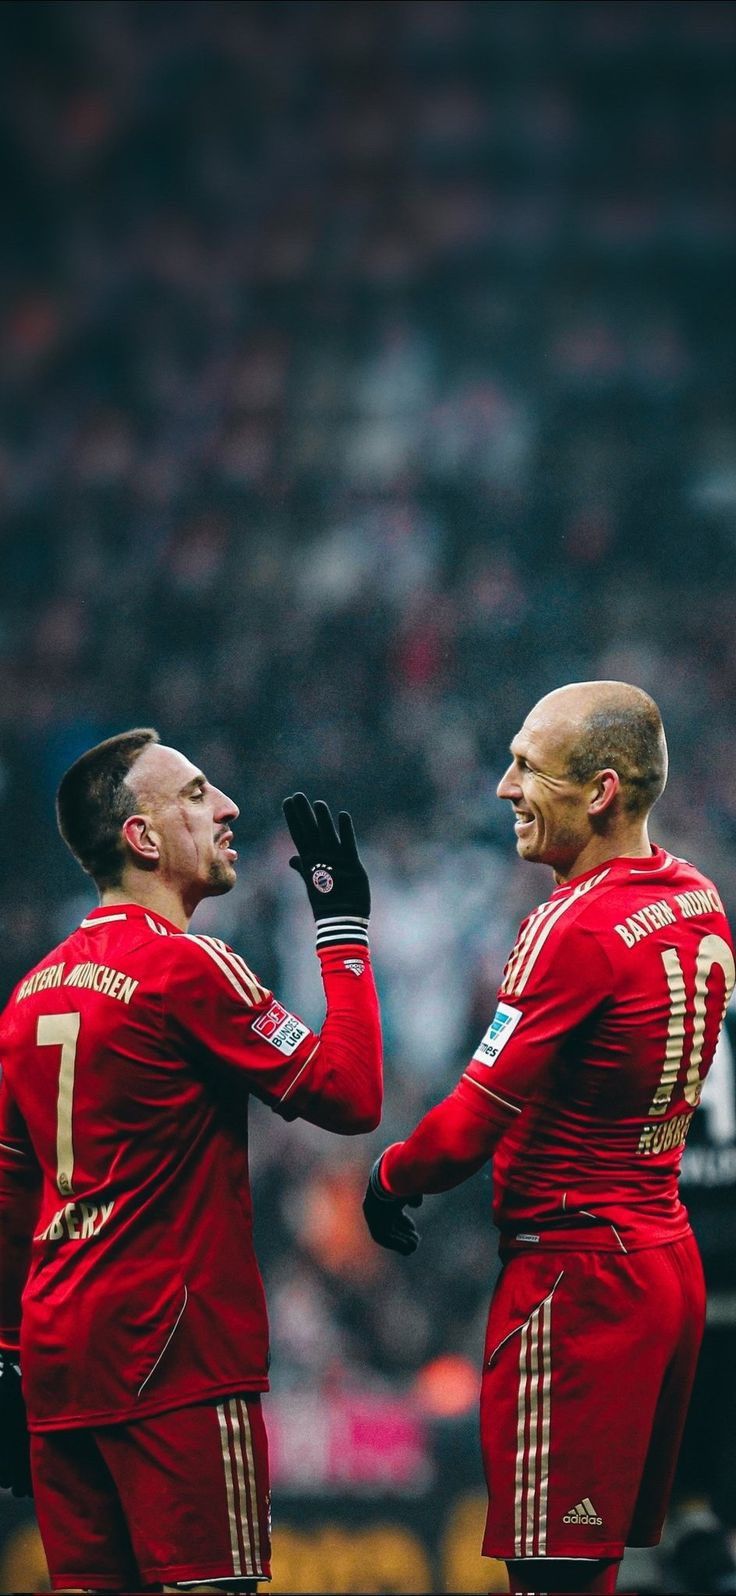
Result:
pixel 541 1007
pixel 214 1001
pixel 20 1196
pixel 548 992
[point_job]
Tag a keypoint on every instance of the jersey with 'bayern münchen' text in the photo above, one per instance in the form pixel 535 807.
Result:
pixel 128 1057
pixel 586 1081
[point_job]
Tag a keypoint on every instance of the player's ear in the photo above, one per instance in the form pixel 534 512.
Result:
pixel 606 787
pixel 141 839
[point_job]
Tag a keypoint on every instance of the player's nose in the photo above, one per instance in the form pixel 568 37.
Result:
pixel 508 786
pixel 225 808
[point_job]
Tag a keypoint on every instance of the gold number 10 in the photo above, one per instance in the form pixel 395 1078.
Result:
pixel 711 951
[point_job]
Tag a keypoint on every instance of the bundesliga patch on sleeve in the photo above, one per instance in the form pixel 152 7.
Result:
pixel 282 1029
pixel 505 1020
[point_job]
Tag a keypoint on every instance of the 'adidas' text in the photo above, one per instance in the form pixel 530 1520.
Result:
pixel 584 1513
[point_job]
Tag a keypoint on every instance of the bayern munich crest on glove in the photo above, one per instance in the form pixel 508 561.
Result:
pixel 328 862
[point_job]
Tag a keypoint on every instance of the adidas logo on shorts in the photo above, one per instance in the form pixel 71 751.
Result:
pixel 584 1513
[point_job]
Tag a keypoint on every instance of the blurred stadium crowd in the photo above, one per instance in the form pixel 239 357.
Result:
pixel 365 375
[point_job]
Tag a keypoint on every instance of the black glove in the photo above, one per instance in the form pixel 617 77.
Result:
pixel 328 863
pixel 15 1462
pixel 385 1217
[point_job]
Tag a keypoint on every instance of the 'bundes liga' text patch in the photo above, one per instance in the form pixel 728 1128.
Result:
pixel 282 1029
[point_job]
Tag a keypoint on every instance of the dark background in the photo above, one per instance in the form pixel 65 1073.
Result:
pixel 366 373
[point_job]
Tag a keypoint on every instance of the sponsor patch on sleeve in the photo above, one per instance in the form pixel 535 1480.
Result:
pixel 282 1029
pixel 505 1020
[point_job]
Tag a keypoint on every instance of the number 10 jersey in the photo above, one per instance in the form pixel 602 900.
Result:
pixel 585 1083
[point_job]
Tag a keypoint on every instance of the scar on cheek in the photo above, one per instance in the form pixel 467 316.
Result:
pixel 188 825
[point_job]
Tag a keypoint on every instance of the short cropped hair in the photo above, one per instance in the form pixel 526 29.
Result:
pixel 629 739
pixel 93 800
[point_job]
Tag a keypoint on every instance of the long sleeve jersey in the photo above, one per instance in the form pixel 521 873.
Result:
pixel 586 1081
pixel 128 1057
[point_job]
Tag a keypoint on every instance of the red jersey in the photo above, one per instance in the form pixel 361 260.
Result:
pixel 128 1058
pixel 586 1081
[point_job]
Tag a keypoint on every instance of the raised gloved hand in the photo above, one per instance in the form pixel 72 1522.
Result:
pixel 385 1217
pixel 15 1462
pixel 327 861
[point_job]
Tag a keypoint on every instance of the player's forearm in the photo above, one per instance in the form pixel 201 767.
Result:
pixel 343 1084
pixel 451 1143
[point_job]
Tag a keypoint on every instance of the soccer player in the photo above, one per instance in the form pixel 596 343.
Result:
pixel 583 1089
pixel 128 1055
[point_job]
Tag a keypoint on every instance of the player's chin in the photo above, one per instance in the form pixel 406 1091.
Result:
pixel 222 877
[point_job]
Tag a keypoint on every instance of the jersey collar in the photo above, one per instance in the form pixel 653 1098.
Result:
pixel 624 865
pixel 107 913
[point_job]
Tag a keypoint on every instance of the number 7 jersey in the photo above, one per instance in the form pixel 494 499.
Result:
pixel 129 1056
pixel 586 1081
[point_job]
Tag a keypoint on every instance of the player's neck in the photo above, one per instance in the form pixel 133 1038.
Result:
pixel 152 894
pixel 631 843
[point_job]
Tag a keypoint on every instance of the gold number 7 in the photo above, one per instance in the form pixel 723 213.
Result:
pixel 62 1030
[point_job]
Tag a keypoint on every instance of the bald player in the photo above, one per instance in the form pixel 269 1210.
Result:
pixel 583 1090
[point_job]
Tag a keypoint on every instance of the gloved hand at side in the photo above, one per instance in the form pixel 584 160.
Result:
pixel 387 1222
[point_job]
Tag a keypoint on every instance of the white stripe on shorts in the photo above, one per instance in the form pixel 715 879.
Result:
pixel 229 1488
pixel 240 1465
pixel 239 1462
pixel 533 1413
pixel 254 1531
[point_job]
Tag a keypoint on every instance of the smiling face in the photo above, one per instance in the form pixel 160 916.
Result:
pixel 181 829
pixel 554 824
pixel 587 766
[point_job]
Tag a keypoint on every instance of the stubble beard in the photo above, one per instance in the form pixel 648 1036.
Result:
pixel 221 877
pixel 565 847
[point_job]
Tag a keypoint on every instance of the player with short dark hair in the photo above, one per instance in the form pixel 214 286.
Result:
pixel 129 1054
pixel 583 1089
pixel 93 800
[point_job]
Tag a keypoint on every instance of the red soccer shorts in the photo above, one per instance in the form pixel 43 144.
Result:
pixel 180 1496
pixel 589 1363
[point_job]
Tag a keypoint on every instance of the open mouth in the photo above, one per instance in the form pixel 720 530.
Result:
pixel 522 822
pixel 225 845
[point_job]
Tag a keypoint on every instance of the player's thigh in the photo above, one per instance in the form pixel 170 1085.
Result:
pixel 82 1524
pixel 196 1491
pixel 577 1349
pixel 682 1274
